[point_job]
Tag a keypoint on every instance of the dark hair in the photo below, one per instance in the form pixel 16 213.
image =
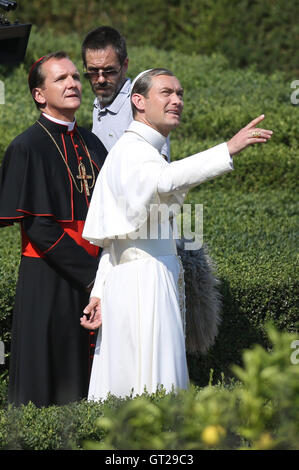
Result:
pixel 36 77
pixel 102 37
pixel 143 85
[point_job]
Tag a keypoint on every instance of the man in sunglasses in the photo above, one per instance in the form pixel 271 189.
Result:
pixel 105 60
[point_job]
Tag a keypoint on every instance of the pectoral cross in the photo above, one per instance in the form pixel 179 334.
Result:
pixel 84 177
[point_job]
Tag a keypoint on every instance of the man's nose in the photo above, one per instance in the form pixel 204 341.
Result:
pixel 101 78
pixel 71 82
pixel 176 99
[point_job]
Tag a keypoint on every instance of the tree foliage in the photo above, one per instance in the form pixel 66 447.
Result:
pixel 261 32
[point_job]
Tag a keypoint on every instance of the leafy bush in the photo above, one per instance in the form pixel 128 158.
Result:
pixel 261 33
pixel 218 102
pixel 32 428
pixel 9 261
pixel 259 409
pixel 252 238
pixel 260 412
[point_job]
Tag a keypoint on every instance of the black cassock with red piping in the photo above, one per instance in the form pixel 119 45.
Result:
pixel 46 182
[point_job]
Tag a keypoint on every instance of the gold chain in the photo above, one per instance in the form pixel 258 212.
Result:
pixel 66 164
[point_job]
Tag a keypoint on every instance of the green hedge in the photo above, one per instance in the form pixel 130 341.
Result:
pixel 9 261
pixel 252 239
pixel 258 410
pixel 263 32
pixel 218 102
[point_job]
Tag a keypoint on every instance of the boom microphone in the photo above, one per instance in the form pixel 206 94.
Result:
pixel 13 36
pixel 8 5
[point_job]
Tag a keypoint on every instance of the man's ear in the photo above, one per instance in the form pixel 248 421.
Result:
pixel 125 65
pixel 138 101
pixel 38 96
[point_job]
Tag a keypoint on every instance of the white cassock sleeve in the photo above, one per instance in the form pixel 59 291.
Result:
pixel 184 174
pixel 135 178
pixel 104 267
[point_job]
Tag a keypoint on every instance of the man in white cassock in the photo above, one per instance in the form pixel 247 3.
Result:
pixel 137 298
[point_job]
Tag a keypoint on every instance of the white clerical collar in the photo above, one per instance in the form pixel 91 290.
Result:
pixel 70 125
pixel 149 134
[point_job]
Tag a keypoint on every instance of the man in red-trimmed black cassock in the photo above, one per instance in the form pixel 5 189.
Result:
pixel 46 182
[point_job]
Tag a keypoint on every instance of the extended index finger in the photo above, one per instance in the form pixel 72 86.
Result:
pixel 255 121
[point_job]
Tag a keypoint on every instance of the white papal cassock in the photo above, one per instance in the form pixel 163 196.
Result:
pixel 141 342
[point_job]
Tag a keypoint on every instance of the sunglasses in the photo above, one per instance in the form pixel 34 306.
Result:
pixel 96 73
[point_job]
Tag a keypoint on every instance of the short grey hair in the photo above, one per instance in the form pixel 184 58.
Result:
pixel 144 84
